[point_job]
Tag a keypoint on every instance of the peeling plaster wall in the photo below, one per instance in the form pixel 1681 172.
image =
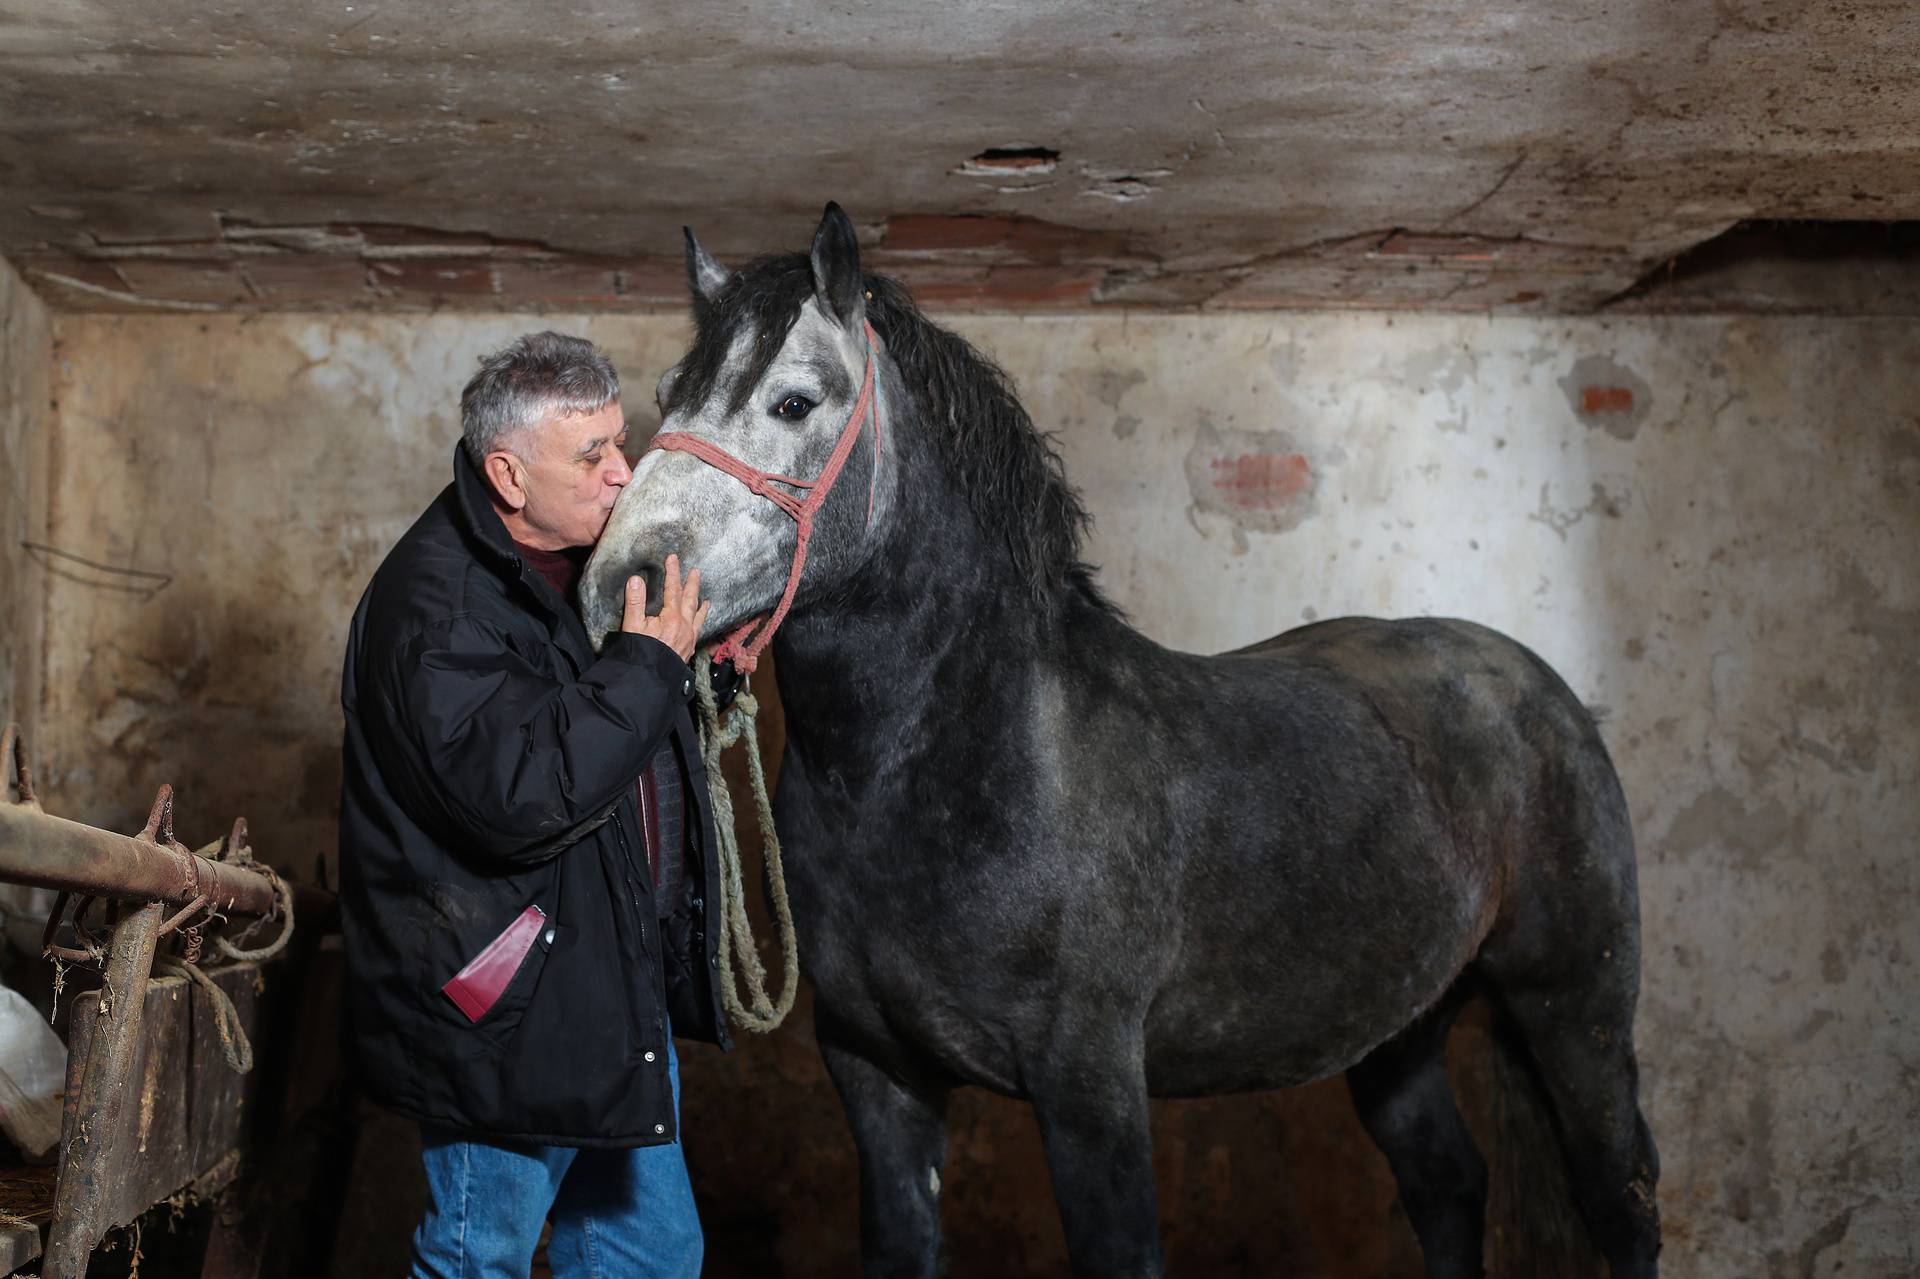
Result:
pixel 26 360
pixel 1708 526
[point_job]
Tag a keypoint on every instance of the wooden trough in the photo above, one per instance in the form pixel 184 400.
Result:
pixel 162 1102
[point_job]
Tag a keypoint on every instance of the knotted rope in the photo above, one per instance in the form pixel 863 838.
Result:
pixel 226 1018
pixel 234 1043
pixel 756 1012
pixel 283 906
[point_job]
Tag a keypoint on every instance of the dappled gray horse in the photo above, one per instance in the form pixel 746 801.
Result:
pixel 1033 850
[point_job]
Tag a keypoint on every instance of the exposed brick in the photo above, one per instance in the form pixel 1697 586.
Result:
pixel 1606 399
pixel 1155 288
pixel 656 281
pixel 308 279
pixel 431 279
pixel 1260 481
pixel 558 282
pixel 966 262
pixel 939 233
pixel 1009 286
pixel 1053 242
pixel 1044 285
pixel 335 238
pixel 149 222
pixel 380 236
pixel 100 275
pixel 947 288
pixel 1001 237
pixel 178 280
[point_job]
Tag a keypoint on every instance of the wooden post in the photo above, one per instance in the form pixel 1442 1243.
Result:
pixel 93 1118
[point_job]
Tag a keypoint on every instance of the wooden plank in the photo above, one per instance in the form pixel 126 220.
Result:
pixel 186 1108
pixel 19 1244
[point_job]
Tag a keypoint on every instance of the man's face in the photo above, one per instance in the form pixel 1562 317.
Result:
pixel 566 472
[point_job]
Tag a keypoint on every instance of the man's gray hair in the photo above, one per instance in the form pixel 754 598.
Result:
pixel 538 375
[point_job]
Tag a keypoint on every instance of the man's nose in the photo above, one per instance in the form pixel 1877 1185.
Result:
pixel 619 473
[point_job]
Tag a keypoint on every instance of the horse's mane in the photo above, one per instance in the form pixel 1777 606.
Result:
pixel 1007 469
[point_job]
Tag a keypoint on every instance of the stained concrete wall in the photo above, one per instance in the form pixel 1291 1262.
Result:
pixel 26 364
pixel 1706 524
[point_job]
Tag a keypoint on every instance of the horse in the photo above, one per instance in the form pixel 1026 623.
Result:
pixel 1032 850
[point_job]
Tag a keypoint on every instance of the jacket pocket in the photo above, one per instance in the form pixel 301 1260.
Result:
pixel 495 986
pixel 476 988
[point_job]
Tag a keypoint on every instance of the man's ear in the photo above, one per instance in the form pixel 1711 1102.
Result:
pixel 503 472
pixel 705 276
pixel 836 268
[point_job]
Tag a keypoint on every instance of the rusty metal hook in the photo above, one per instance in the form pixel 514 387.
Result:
pixel 94 951
pixel 19 769
pixel 186 911
pixel 53 921
pixel 235 849
pixel 159 827
pixel 87 939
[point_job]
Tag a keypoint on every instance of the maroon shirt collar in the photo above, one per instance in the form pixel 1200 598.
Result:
pixel 560 568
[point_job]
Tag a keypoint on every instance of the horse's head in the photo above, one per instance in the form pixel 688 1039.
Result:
pixel 769 385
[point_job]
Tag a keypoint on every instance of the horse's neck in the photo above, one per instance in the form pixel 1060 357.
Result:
pixel 934 619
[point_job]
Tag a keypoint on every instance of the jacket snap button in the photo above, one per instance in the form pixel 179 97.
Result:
pixel 698 904
pixel 649 1056
pixel 659 1128
pixel 686 686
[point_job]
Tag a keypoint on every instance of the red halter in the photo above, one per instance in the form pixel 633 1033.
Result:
pixel 744 653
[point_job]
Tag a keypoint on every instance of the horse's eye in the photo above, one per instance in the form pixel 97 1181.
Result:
pixel 793 408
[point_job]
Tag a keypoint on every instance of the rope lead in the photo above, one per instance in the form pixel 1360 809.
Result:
pixel 738 951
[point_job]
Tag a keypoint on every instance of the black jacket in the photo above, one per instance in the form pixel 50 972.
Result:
pixel 490 760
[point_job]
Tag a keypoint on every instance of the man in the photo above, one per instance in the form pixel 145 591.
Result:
pixel 523 922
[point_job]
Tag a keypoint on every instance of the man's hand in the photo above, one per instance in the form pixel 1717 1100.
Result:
pixel 682 615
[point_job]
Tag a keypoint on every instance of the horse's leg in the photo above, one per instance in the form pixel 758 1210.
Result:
pixel 1091 1101
pixel 1567 973
pixel 1581 1042
pixel 1406 1102
pixel 901 1136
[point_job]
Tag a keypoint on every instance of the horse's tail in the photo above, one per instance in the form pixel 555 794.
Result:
pixel 1533 1228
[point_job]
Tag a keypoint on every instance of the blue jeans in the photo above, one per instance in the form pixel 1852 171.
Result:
pixel 616 1213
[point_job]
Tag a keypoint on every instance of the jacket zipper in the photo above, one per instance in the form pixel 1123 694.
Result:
pixel 626 855
pixel 649 820
pixel 640 914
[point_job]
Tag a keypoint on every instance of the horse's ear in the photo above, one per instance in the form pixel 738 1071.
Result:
pixel 836 266
pixel 705 277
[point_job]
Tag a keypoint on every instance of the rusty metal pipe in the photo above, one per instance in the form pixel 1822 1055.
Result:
pixel 51 852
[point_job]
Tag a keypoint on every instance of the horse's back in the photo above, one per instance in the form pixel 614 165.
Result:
pixel 1491 729
pixel 1481 701
pixel 1416 654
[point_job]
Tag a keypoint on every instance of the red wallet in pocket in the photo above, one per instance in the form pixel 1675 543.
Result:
pixel 477 987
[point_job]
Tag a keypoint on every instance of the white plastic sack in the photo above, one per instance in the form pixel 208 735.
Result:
pixel 33 1073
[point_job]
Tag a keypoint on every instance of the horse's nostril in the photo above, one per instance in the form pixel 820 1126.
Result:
pixel 653 574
